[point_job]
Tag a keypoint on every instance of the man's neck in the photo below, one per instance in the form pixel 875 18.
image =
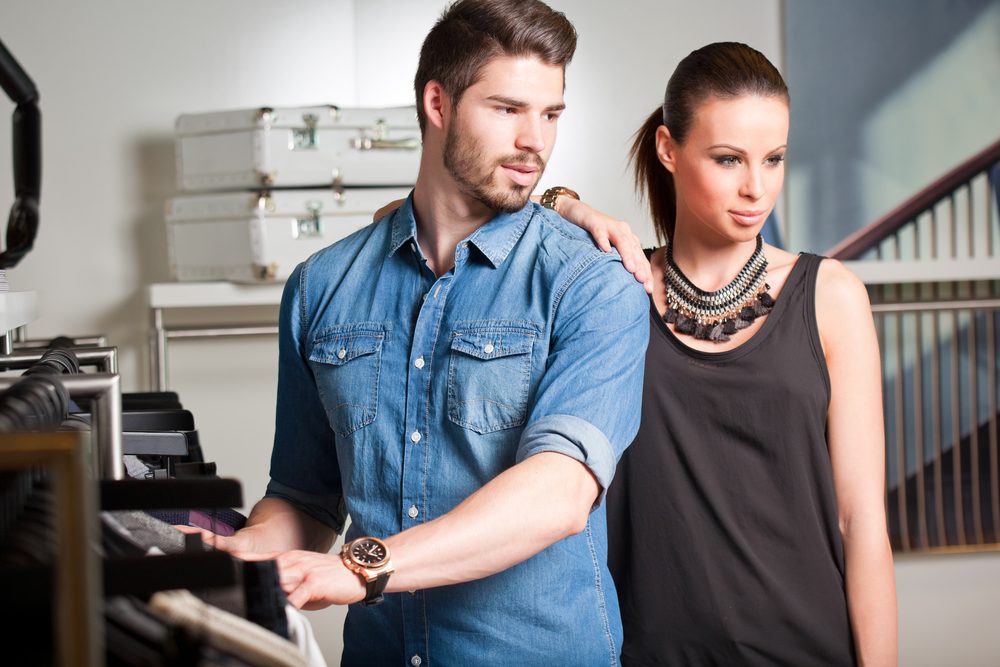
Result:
pixel 444 217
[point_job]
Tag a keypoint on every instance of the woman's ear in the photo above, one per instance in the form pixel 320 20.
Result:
pixel 437 104
pixel 666 148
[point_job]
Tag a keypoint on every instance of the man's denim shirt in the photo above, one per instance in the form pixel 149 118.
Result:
pixel 400 394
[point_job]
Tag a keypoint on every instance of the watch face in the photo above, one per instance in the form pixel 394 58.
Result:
pixel 368 551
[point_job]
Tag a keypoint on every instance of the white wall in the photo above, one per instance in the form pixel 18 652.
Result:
pixel 915 94
pixel 948 606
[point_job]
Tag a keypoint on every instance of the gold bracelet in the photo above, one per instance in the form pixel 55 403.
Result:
pixel 548 199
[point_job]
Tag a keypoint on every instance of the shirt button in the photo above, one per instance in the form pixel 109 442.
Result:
pixel 419 362
pixel 488 348
pixel 416 661
pixel 415 436
pixel 341 353
pixel 413 512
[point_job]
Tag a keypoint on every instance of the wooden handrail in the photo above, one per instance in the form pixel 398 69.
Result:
pixel 865 238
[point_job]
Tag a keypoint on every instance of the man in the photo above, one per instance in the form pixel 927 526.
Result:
pixel 460 377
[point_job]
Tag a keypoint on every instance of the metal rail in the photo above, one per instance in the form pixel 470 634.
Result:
pixel 106 419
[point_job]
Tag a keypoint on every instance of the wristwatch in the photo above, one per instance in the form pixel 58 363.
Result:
pixel 548 198
pixel 368 557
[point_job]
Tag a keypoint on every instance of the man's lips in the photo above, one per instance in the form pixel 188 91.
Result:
pixel 522 174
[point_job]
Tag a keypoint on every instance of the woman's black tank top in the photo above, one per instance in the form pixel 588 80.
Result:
pixel 723 529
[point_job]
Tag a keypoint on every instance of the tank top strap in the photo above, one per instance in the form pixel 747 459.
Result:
pixel 801 297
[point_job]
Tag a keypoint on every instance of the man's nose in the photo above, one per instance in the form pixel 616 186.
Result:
pixel 530 137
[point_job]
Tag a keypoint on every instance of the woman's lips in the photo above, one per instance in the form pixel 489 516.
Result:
pixel 748 218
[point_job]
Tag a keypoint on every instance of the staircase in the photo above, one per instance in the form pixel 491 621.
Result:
pixel 932 267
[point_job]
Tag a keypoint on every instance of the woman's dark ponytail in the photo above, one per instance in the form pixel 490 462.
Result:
pixel 652 181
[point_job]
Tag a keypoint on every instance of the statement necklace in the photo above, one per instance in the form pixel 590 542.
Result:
pixel 717 315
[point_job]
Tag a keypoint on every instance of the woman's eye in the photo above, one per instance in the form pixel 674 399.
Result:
pixel 775 160
pixel 727 160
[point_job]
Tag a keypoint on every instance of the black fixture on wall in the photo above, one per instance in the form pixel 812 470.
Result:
pixel 22 224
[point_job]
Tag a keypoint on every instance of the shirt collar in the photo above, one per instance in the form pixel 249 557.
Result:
pixel 404 225
pixel 494 240
pixel 497 237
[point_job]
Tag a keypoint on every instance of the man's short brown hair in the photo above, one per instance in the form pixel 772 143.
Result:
pixel 471 33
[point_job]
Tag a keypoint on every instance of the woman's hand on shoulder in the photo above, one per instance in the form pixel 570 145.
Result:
pixel 387 209
pixel 609 233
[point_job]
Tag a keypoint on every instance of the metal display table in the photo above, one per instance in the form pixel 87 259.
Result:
pixel 16 310
pixel 164 297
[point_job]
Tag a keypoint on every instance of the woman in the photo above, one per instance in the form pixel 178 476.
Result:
pixel 746 520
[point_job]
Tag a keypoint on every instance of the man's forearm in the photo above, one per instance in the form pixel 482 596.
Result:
pixel 275 525
pixel 516 515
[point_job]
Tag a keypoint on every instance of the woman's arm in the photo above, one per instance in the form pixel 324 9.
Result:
pixel 609 232
pixel 856 442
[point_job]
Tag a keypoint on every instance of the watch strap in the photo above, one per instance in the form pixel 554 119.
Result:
pixel 374 589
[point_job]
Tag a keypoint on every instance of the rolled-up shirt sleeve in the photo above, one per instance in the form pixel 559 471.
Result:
pixel 304 468
pixel 588 403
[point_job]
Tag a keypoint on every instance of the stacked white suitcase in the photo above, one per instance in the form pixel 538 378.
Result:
pixel 269 187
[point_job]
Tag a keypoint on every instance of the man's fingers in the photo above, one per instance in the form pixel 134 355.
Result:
pixel 207 536
pixel 299 596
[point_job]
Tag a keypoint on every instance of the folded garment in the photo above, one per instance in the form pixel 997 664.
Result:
pixel 245 640
pixel 221 522
pixel 265 600
pixel 301 634
pixel 146 531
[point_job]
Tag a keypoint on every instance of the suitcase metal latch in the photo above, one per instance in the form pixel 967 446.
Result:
pixel 311 227
pixel 377 140
pixel 304 138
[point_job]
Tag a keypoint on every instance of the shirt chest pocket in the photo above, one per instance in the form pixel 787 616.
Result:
pixel 489 375
pixel 346 364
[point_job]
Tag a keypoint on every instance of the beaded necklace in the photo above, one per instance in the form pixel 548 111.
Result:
pixel 716 315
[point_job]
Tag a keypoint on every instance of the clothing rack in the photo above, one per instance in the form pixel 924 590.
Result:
pixel 105 391
pixel 77 622
pixel 105 359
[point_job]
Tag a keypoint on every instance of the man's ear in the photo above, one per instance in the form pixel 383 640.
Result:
pixel 666 148
pixel 437 104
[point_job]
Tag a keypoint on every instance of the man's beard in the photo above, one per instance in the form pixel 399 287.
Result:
pixel 464 160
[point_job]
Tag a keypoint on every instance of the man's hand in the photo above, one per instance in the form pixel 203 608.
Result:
pixel 314 581
pixel 230 543
pixel 609 232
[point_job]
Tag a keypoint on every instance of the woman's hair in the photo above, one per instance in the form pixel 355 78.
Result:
pixel 722 69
